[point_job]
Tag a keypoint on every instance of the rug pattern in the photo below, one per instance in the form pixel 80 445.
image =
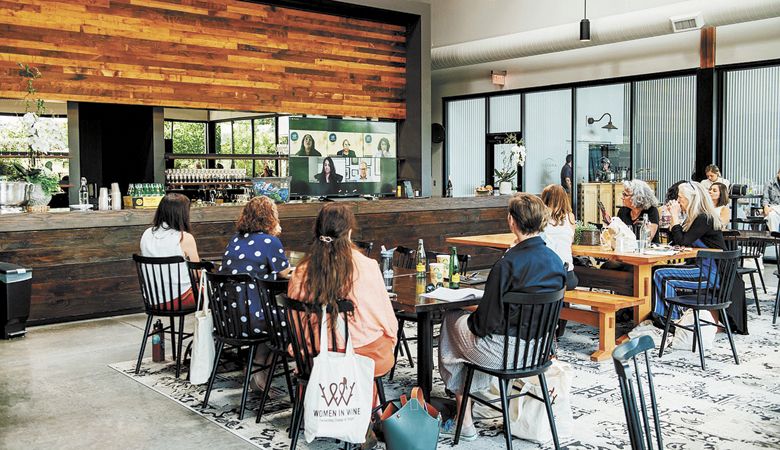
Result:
pixel 727 406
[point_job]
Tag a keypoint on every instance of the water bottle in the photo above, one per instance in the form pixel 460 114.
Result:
pixel 420 260
pixel 83 192
pixel 644 234
pixel 387 268
pixel 158 343
pixel 666 217
pixel 454 269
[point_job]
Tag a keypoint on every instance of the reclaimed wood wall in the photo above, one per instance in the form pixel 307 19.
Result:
pixel 212 54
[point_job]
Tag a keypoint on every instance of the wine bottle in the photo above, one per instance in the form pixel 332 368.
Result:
pixel 420 259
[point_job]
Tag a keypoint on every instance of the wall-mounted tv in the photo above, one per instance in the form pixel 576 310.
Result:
pixel 337 157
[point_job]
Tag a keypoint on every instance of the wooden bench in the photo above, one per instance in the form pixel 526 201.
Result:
pixel 601 315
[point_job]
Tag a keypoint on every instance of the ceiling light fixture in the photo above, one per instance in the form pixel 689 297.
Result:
pixel 609 126
pixel 585 25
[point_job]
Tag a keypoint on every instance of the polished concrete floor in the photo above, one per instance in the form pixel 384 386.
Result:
pixel 57 392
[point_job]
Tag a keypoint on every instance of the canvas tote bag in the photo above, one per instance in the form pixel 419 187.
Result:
pixel 203 340
pixel 529 416
pixel 340 392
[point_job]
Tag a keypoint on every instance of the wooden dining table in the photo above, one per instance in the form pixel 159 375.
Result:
pixel 408 290
pixel 641 263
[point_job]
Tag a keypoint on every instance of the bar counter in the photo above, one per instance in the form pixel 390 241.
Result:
pixel 82 264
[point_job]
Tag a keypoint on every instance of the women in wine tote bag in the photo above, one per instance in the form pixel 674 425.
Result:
pixel 203 351
pixel 339 395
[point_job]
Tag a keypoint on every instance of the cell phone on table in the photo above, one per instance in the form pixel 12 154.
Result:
pixel 604 216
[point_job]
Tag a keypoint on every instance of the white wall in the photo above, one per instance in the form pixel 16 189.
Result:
pixel 458 21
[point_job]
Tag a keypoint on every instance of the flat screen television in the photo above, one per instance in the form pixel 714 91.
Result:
pixel 337 157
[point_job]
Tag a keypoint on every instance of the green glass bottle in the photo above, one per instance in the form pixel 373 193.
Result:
pixel 454 269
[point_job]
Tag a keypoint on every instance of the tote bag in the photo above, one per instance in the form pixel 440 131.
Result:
pixel 529 416
pixel 203 350
pixel 415 426
pixel 339 394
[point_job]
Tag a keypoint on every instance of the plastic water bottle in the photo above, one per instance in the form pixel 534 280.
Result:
pixel 83 192
pixel 644 234
pixel 387 268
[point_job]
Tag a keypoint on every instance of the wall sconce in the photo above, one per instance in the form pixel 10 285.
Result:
pixel 498 78
pixel 608 126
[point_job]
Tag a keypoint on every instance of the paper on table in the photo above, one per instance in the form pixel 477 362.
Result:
pixel 452 295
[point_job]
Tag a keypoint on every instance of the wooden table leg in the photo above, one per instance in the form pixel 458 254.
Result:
pixel 606 337
pixel 643 288
pixel 425 353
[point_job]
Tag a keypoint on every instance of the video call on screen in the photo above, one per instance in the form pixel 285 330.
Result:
pixel 342 157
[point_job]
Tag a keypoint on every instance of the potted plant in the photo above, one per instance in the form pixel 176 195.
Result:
pixel 586 234
pixel 43 182
pixel 510 163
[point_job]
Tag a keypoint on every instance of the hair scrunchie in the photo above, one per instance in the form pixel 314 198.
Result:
pixel 326 239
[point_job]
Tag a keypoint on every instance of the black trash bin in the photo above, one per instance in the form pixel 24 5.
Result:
pixel 15 288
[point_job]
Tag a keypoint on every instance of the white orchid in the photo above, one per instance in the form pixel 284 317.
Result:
pixel 512 159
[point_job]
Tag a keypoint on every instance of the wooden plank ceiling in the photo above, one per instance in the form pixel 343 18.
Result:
pixel 212 54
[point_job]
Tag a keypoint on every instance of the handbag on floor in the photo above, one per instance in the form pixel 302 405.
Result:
pixel 683 339
pixel 203 351
pixel 415 426
pixel 339 394
pixel 529 415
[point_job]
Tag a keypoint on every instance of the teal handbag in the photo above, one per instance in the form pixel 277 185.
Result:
pixel 413 427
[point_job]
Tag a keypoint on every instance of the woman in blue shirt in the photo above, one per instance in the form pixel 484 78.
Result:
pixel 255 249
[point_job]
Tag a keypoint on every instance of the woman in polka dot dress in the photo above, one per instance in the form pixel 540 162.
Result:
pixel 255 249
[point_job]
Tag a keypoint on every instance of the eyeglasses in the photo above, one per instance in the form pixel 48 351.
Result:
pixel 626 194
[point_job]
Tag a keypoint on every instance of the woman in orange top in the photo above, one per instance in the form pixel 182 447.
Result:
pixel 334 269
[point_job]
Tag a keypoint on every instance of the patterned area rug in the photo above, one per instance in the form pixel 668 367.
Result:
pixel 727 406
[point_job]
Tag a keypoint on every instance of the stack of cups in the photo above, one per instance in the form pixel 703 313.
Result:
pixel 103 199
pixel 116 197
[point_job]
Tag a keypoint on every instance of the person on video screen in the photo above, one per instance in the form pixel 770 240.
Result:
pixel 328 174
pixel 345 150
pixel 383 148
pixel 363 171
pixel 307 147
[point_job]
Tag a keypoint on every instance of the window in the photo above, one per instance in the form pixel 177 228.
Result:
pixel 187 137
pixel 53 132
pixel 664 131
pixel 465 142
pixel 547 137
pixel 751 137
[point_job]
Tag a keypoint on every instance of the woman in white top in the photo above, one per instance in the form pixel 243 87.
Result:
pixel 170 235
pixel 559 232
pixel 712 172
pixel 720 199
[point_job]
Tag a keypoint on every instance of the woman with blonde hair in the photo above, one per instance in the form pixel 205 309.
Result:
pixel 559 232
pixel 701 229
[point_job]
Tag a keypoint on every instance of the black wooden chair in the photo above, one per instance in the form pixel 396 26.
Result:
pixel 630 378
pixel 303 325
pixel 717 271
pixel 404 257
pixel 229 303
pixel 163 284
pixel 752 248
pixel 278 337
pixel 365 246
pixel 533 319
pixel 776 240
pixel 194 269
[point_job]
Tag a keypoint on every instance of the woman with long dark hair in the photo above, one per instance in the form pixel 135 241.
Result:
pixel 307 147
pixel 170 235
pixel 328 174
pixel 719 194
pixel 335 269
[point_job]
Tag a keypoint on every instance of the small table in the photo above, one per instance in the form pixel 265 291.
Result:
pixel 408 290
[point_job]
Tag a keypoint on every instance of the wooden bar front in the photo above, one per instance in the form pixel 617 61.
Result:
pixel 82 263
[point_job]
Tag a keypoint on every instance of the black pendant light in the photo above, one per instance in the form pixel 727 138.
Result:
pixel 585 25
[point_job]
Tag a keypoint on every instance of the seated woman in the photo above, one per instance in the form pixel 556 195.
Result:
pixel 700 229
pixel 170 235
pixel 559 232
pixel 638 200
pixel 334 269
pixel 720 198
pixel 529 266
pixel 256 250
